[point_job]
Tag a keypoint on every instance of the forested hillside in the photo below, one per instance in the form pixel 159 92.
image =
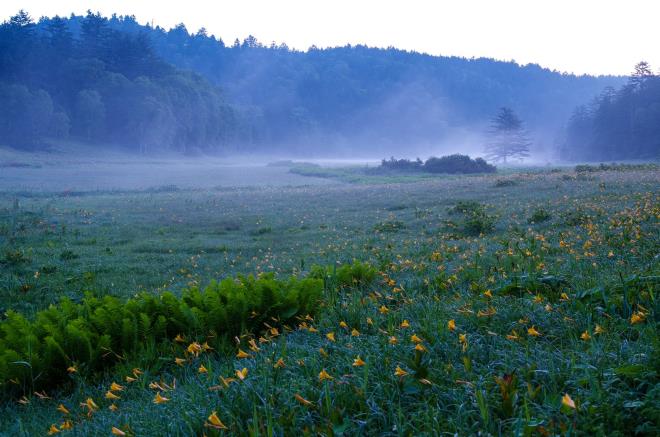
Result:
pixel 112 81
pixel 618 124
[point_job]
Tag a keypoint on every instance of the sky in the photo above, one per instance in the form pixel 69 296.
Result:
pixel 574 36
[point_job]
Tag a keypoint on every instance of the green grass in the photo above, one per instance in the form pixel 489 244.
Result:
pixel 592 262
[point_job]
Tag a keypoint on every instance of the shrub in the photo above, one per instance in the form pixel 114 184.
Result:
pixel 93 333
pixel 539 215
pixel 349 275
pixel 453 164
pixel 403 165
pixel 505 183
pixel 475 220
pixel 389 226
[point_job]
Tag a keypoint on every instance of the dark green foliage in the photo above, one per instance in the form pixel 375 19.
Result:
pixel 95 332
pixel 389 226
pixel 474 220
pixel 538 216
pixel 505 183
pixel 348 275
pixel 618 124
pixel 403 165
pixel 462 164
pixel 451 164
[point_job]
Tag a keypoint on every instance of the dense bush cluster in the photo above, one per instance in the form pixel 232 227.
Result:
pixel 452 164
pixel 94 333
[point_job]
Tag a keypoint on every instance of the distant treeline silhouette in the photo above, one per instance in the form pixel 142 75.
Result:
pixel 618 124
pixel 110 81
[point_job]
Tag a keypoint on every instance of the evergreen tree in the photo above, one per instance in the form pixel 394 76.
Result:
pixel 508 138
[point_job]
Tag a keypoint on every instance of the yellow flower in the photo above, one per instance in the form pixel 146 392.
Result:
pixel 564 297
pixel 302 400
pixel 179 361
pixel 206 347
pixel 129 379
pixel 330 336
pixel 358 362
pixel 538 298
pixel 323 352
pixel 415 339
pixel 160 399
pixel 369 321
pixel 137 372
pixel 637 317
pixel 111 395
pixel 343 324
pixel 462 338
pixel 242 374
pixel 383 309
pixel 548 308
pixel 566 400
pixel 451 325
pixel 215 422
pixel 533 332
pixel 279 364
pixel 179 338
pixel 253 346
pixel 194 348
pixel 61 408
pixel 400 372
pixel 90 405
pixel 585 336
pixel 242 354
pixel 355 333
pixel 112 407
pixel 53 430
pixel 393 340
pixel 405 324
pixel 117 431
pixel 488 294
pixel 67 424
pixel 599 330
pixel 420 347
pixel 227 381
pixel 513 336
pixel 116 387
pixel 324 375
pixel 274 332
pixel 71 369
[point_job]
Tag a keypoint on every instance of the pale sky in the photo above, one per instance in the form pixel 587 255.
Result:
pixel 578 36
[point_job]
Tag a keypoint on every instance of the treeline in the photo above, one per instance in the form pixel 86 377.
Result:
pixel 115 81
pixel 103 86
pixel 618 124
pixel 451 164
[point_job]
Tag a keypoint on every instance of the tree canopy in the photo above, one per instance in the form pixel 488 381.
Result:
pixel 111 80
pixel 618 124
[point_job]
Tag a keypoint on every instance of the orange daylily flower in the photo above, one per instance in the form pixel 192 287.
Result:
pixel 358 362
pixel 400 372
pixel 215 422
pixel 242 374
pixel 324 375
pixel 160 399
pixel 566 400
pixel 451 325
pixel 533 332
pixel 302 400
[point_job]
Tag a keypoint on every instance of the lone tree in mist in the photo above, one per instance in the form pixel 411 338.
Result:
pixel 508 138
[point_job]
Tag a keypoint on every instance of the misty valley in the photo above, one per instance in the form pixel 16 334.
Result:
pixel 208 238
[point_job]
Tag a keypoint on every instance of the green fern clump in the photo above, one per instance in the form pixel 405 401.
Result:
pixel 348 275
pixel 96 332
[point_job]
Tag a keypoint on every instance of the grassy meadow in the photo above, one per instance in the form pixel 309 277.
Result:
pixel 517 303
